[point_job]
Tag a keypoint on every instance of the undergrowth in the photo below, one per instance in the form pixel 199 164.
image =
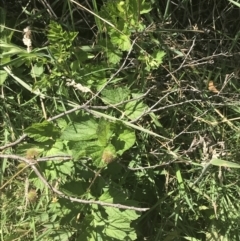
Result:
pixel 120 120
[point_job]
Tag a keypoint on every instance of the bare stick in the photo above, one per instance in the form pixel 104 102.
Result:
pixel 21 158
pixel 182 64
pixel 13 143
pixel 180 103
pixel 154 166
pixel 32 164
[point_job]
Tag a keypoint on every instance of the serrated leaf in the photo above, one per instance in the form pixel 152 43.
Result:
pixel 98 220
pixel 64 167
pixel 58 169
pixel 129 138
pixel 86 235
pixel 36 182
pixel 73 188
pixel 114 96
pixel 79 148
pixel 128 124
pixel 125 44
pixel 115 233
pixel 129 215
pixel 56 149
pixel 159 56
pixel 37 70
pixel 86 130
pixel 106 197
pixel 122 41
pixel 94 151
pixel 112 193
pixel 42 131
pixel 114 56
pixel 91 149
pixel 120 220
pixel 124 138
pixel 135 109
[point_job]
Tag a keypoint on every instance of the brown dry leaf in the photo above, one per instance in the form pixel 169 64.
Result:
pixel 212 87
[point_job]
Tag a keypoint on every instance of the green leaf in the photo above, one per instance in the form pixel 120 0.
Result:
pixel 59 169
pixel 85 130
pixel 23 83
pixel 98 220
pixel 42 131
pixel 81 55
pixel 60 41
pixel 126 214
pixel 219 162
pixel 145 7
pixel 125 44
pixel 79 148
pixel 37 70
pixel 155 119
pixel 114 96
pixel 104 132
pixel 103 144
pixel 122 41
pixel 118 223
pixel 106 197
pixel 73 188
pixel 123 139
pixel 114 56
pixel 115 232
pixel 135 109
pixel 3 76
pixel 128 124
pixel 120 6
pixel 57 35
pixel 11 49
pixel 91 149
pixel 113 194
pixel 157 59
pixel 58 148
pixel 61 235
pixel 159 56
